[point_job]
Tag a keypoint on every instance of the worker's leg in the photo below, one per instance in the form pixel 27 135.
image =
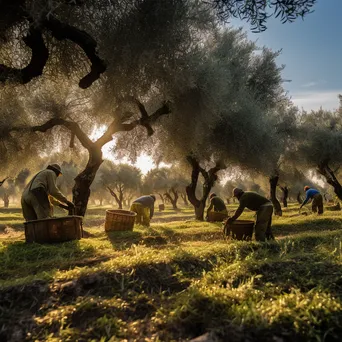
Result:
pixel 146 217
pixel 320 204
pixel 314 205
pixel 28 212
pixel 41 206
pixel 137 208
pixel 263 220
pixel 269 234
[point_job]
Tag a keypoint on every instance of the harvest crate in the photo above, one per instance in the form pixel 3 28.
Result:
pixel 56 229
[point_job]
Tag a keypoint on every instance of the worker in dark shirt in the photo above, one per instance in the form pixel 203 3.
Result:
pixel 144 207
pixel 217 205
pixel 263 208
pixel 317 200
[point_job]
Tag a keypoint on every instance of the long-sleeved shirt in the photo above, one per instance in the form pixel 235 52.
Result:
pixel 250 200
pixel 146 201
pixel 46 179
pixel 309 195
pixel 217 203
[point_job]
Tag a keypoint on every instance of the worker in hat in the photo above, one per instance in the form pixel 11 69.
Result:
pixel 316 197
pixel 40 192
pixel 264 210
pixel 144 208
pixel 217 205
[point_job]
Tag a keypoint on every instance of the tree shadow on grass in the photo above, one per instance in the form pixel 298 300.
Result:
pixel 125 240
pixel 314 225
pixel 19 260
pixel 20 305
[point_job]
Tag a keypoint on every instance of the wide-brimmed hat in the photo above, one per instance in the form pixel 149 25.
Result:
pixel 55 167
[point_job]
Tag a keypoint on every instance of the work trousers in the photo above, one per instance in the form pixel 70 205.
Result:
pixel 317 204
pixel 143 214
pixel 34 208
pixel 263 223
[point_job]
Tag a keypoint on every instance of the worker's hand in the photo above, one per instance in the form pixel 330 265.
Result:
pixel 70 205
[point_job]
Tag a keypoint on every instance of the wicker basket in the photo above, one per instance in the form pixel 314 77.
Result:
pixel 118 220
pixel 240 230
pixel 215 216
pixel 161 207
pixel 52 230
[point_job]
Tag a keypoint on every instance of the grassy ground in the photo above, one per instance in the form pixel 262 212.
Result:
pixel 177 280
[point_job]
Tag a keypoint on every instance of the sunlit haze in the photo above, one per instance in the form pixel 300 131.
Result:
pixel 144 162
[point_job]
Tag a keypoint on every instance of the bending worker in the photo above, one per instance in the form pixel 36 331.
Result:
pixel 263 208
pixel 317 200
pixel 217 204
pixel 35 200
pixel 144 207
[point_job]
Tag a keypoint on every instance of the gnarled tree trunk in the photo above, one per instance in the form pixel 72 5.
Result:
pixel 173 200
pixel 210 178
pixel 118 198
pixel 330 177
pixel 285 196
pixel 184 198
pixel 83 181
pixel 6 200
pixel 162 198
pixel 299 198
pixel 273 195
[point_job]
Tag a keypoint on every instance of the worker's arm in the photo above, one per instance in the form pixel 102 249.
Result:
pixel 54 201
pixel 53 190
pixel 305 201
pixel 57 203
pixel 237 214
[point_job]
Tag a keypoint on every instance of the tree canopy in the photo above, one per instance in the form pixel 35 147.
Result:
pixel 73 36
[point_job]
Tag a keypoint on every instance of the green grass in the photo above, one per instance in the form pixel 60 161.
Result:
pixel 174 281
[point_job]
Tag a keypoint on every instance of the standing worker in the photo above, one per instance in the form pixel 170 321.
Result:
pixel 317 200
pixel 35 200
pixel 218 205
pixel 144 207
pixel 263 208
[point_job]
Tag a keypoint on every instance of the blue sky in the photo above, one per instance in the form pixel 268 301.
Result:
pixel 311 53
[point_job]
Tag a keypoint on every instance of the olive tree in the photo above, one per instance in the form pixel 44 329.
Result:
pixel 66 36
pixel 168 183
pixel 7 191
pixel 147 64
pixel 319 145
pixel 121 180
pixel 246 129
pixel 232 114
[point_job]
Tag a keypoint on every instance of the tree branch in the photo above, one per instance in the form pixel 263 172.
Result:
pixel 63 31
pixel 116 126
pixel 113 194
pixel 72 126
pixel 40 55
pixel 3 181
